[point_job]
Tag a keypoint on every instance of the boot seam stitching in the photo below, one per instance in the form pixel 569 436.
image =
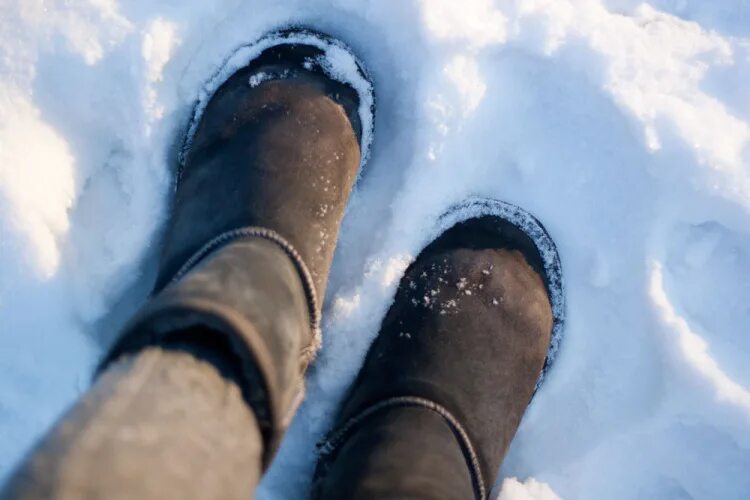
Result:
pixel 328 447
pixel 227 237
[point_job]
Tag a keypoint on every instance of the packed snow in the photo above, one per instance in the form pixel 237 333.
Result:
pixel 624 127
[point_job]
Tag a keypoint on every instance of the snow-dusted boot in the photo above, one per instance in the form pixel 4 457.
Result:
pixel 267 174
pixel 459 354
pixel 267 170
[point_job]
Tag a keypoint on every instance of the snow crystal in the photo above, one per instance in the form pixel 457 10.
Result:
pixel 258 78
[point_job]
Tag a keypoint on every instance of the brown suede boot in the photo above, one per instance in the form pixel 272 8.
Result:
pixel 267 174
pixel 266 177
pixel 459 354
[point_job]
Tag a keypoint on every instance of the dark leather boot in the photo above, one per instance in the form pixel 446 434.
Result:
pixel 446 382
pixel 264 185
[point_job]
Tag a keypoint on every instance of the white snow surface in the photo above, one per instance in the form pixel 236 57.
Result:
pixel 623 126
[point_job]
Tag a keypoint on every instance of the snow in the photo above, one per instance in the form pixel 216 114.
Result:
pixel 624 127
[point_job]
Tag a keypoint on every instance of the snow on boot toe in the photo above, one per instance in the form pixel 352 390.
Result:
pixel 469 330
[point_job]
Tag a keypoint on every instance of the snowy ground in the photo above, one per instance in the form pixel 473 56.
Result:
pixel 624 127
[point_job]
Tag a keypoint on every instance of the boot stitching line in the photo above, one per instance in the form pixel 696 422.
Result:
pixel 222 240
pixel 334 441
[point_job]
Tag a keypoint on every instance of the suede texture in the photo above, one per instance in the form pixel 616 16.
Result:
pixel 282 156
pixel 469 329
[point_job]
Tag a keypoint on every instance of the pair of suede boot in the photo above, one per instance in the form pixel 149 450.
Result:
pixel 238 300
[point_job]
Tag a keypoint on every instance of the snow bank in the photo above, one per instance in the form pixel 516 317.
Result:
pixel 624 127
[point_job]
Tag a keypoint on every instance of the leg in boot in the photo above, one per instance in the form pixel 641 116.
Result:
pixel 245 261
pixel 463 346
pixel 147 429
pixel 401 453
